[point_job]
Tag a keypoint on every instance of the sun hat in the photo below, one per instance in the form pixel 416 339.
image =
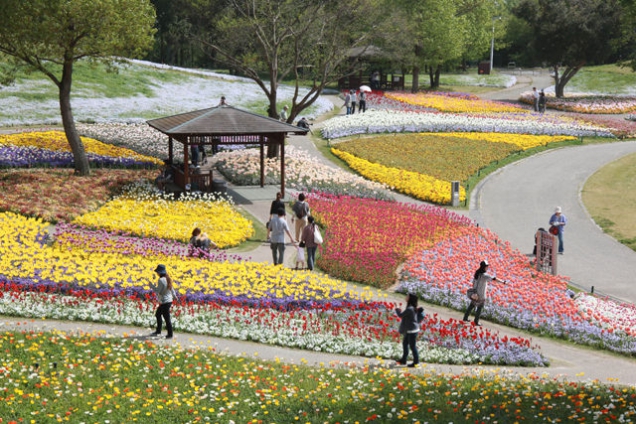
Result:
pixel 161 269
pixel 557 209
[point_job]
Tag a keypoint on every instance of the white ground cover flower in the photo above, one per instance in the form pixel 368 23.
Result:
pixel 387 121
pixel 198 89
pixel 499 80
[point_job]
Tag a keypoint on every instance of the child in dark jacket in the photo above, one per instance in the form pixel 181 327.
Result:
pixel 409 328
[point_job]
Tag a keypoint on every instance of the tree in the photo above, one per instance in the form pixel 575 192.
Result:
pixel 49 36
pixel 444 31
pixel 271 41
pixel 571 33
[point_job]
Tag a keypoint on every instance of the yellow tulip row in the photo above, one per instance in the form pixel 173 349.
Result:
pixel 24 257
pixel 524 141
pixel 418 185
pixel 450 104
pixel 148 215
pixel 56 141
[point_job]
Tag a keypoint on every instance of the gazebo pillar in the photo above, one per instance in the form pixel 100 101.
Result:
pixel 262 159
pixel 282 165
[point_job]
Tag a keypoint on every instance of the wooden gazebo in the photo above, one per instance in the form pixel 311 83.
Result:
pixel 220 126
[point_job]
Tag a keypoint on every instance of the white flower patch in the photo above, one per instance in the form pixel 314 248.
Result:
pixel 374 122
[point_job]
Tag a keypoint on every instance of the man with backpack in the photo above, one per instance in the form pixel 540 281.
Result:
pixel 301 213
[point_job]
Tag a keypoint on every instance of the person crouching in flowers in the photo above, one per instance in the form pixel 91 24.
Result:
pixel 165 295
pixel 409 328
pixel 479 292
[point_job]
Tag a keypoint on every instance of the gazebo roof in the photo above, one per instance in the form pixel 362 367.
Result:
pixel 222 120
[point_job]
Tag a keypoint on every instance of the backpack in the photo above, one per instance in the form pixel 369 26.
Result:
pixel 300 208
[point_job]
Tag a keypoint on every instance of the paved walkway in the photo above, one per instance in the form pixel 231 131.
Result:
pixel 493 206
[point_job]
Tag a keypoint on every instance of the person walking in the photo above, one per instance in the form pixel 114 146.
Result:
pixel 558 222
pixel 363 101
pixel 279 227
pixel 273 211
pixel 542 101
pixel 479 292
pixel 354 101
pixel 347 103
pixel 409 328
pixel 165 295
pixel 310 243
pixel 301 212
pixel 535 98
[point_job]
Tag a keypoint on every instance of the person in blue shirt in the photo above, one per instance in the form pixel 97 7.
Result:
pixel 558 220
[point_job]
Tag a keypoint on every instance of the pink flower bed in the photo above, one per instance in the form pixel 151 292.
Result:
pixel 532 300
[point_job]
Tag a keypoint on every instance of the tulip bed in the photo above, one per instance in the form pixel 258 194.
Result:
pixel 367 240
pixel 98 276
pixel 587 104
pixel 455 102
pixel 51 148
pixel 58 195
pixel 423 165
pixel 143 211
pixel 531 301
pixel 81 377
pixel 390 121
pixel 302 173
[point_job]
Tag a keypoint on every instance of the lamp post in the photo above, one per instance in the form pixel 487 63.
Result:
pixel 492 42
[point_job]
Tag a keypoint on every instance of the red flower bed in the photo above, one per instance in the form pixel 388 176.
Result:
pixel 367 240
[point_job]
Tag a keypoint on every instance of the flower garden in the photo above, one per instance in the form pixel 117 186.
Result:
pixel 61 377
pixel 95 264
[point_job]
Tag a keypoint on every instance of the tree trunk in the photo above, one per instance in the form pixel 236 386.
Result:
pixel 77 147
pixel 438 71
pixel 416 79
pixel 570 71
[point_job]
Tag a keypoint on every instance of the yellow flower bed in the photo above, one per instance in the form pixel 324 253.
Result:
pixel 420 186
pixel 26 258
pixel 522 140
pixel 151 215
pixel 56 141
pixel 454 104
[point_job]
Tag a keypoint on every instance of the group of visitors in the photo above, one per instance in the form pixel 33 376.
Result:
pixel 305 229
pixel 539 100
pixel 351 101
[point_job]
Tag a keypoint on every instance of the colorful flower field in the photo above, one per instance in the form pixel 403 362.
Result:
pixel 454 102
pixel 367 240
pixel 59 195
pixel 531 301
pixel 389 121
pixel 52 149
pixel 93 378
pixel 423 165
pixel 302 173
pixel 609 105
pixel 98 276
pixel 145 212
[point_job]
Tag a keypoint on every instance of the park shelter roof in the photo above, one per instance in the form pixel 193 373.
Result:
pixel 223 120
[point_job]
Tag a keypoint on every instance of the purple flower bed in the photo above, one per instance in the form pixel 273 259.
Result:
pixel 26 157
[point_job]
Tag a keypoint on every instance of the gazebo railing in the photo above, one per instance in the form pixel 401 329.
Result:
pixel 198 182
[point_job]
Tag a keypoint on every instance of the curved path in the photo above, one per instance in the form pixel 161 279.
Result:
pixel 520 198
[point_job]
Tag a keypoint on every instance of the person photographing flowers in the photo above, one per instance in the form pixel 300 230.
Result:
pixel 411 318
pixel 478 294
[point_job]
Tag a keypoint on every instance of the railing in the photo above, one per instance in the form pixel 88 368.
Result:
pixel 198 182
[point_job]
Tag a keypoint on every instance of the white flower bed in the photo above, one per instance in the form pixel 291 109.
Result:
pixel 394 122
pixel 198 89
